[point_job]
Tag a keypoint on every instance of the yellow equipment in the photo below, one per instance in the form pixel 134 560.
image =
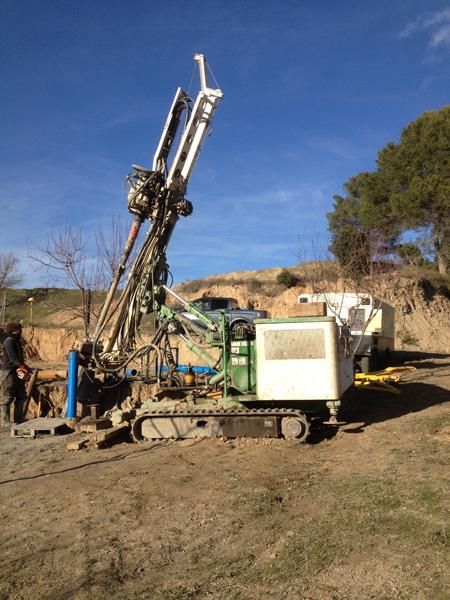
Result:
pixel 381 380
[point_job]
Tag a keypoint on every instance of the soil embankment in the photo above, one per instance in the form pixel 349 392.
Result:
pixel 422 316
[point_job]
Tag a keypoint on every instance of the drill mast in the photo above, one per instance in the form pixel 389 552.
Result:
pixel 156 195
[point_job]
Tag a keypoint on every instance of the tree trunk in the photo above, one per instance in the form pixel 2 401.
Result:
pixel 441 256
pixel 442 263
pixel 84 311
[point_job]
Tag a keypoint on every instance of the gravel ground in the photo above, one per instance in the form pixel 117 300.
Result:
pixel 360 513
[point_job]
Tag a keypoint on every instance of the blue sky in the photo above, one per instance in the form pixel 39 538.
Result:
pixel 312 91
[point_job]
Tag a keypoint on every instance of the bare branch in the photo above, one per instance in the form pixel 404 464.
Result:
pixel 110 246
pixel 64 255
pixel 9 274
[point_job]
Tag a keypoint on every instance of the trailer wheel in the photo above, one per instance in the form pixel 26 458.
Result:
pixel 295 428
pixel 365 364
pixel 371 363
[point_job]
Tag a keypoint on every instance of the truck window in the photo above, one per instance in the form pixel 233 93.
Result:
pixel 219 303
pixel 201 304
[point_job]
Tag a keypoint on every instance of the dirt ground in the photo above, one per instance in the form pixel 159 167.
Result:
pixel 362 513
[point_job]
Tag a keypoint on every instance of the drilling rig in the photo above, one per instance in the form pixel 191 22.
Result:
pixel 269 380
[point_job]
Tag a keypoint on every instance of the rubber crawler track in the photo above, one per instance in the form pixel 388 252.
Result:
pixel 247 412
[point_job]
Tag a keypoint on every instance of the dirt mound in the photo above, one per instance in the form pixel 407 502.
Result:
pixel 421 315
pixel 49 345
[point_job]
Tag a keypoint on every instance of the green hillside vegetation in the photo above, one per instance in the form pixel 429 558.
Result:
pixel 46 302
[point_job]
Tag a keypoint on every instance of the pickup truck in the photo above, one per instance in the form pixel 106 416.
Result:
pixel 213 306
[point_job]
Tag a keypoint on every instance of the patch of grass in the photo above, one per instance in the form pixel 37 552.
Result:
pixel 181 592
pixel 400 525
pixel 193 286
pixel 261 502
pixel 254 285
pixel 428 279
pixel 409 340
pixel 430 497
pixel 361 516
pixel 45 302
pixel 389 506
pixel 308 552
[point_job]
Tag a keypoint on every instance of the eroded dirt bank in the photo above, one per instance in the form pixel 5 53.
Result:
pixel 422 315
pixel 362 514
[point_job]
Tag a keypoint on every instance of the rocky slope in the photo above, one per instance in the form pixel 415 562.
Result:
pixel 422 315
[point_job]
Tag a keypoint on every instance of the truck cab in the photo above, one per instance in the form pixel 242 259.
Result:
pixel 213 307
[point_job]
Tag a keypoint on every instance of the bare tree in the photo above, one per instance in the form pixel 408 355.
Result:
pixel 9 274
pixel 330 282
pixel 64 255
pixel 110 247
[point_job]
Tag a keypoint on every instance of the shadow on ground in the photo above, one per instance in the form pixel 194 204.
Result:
pixel 370 407
pixel 420 360
pixel 377 407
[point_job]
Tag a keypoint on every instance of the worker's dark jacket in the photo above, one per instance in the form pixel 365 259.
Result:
pixel 12 387
pixel 12 353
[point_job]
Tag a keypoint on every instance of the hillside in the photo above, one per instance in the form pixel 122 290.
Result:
pixel 50 306
pixel 422 308
pixel 422 305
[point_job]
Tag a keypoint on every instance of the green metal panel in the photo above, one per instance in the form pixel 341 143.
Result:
pixel 242 365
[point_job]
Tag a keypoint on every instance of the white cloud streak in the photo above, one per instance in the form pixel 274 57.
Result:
pixel 436 25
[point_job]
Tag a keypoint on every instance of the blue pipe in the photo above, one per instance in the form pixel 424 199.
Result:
pixel 72 385
pixel 194 369
pixel 182 368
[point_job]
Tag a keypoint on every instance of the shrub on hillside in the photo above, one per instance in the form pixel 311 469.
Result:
pixel 410 254
pixel 254 285
pixel 286 279
pixel 193 286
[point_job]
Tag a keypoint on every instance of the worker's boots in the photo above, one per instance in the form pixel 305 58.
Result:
pixel 18 412
pixel 4 416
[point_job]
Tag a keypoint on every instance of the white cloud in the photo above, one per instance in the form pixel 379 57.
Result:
pixel 441 37
pixel 435 25
pixel 409 29
pixel 338 147
pixel 437 18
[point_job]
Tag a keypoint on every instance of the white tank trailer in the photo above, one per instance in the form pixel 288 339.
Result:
pixel 370 320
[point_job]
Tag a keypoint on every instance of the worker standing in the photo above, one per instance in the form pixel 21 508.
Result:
pixel 12 375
